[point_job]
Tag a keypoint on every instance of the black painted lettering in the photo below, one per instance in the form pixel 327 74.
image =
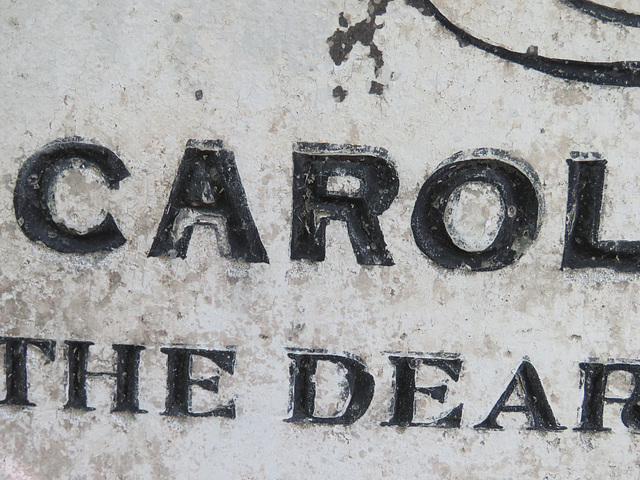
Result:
pixel 347 183
pixel 618 73
pixel 207 187
pixel 535 405
pixel 520 201
pixel 360 389
pixel 582 248
pixel 179 381
pixel 605 13
pixel 33 190
pixel 405 390
pixel 595 387
pixel 15 367
pixel 126 374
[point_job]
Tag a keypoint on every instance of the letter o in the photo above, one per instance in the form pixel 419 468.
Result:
pixel 516 182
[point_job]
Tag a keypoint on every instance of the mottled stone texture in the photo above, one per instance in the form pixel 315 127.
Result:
pixel 143 78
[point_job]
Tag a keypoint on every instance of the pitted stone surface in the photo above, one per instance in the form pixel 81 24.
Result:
pixel 143 78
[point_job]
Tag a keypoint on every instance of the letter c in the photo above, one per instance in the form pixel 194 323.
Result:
pixel 33 189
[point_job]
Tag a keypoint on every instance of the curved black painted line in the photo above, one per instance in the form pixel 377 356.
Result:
pixel 619 74
pixel 605 13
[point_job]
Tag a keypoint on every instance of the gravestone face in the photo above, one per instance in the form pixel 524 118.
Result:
pixel 356 239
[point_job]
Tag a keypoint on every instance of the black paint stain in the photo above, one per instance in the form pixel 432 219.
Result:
pixel 343 21
pixel 619 73
pixel 339 94
pixel 342 41
pixel 376 88
pixel 199 95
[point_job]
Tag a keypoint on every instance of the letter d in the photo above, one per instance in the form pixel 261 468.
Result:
pixel 360 383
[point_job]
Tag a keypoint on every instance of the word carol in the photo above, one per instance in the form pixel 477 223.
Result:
pixel 346 183
pixel 523 395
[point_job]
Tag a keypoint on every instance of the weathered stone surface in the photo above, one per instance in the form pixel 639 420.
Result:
pixel 143 78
